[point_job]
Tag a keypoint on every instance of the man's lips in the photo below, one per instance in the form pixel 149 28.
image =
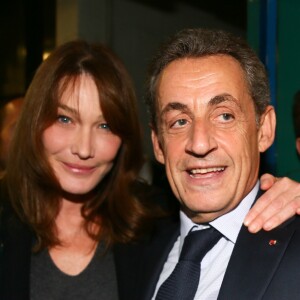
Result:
pixel 204 171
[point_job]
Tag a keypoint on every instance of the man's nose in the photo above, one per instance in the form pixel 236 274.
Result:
pixel 201 139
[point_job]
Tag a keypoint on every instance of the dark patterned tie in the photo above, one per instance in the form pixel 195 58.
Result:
pixel 183 282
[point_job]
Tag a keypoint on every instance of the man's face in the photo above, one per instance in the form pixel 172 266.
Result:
pixel 208 137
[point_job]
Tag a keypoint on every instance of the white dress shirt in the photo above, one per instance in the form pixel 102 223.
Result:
pixel 215 262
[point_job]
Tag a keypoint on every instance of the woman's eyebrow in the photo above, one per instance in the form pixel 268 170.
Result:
pixel 68 109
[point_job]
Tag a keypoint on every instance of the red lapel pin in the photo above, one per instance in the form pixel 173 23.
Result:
pixel 272 242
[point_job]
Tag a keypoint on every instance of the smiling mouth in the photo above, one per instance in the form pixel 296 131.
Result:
pixel 79 168
pixel 204 171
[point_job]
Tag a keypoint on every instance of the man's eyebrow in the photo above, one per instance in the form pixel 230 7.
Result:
pixel 213 101
pixel 174 106
pixel 223 98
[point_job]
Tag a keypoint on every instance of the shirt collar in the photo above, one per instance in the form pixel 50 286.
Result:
pixel 229 224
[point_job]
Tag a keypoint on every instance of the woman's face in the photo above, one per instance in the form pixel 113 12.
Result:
pixel 79 145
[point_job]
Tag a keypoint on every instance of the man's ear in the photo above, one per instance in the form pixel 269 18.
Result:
pixel 157 148
pixel 267 128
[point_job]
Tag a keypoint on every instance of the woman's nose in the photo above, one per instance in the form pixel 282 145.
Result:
pixel 83 143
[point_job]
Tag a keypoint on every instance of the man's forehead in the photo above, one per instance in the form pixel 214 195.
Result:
pixel 211 79
pixel 198 69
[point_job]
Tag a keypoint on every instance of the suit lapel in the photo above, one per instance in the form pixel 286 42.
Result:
pixel 154 257
pixel 253 263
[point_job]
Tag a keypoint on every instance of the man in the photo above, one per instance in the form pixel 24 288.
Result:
pixel 208 96
pixel 9 114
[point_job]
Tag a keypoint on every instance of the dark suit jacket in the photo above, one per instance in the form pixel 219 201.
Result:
pixel 256 270
pixel 15 252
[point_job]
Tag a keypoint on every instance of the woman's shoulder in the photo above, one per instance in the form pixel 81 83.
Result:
pixel 15 250
pixel 11 226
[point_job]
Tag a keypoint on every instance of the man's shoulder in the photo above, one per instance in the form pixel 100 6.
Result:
pixel 281 236
pixel 163 231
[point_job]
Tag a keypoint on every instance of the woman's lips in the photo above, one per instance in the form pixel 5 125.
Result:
pixel 79 169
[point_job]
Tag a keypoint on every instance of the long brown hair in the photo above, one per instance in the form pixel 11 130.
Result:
pixel 34 190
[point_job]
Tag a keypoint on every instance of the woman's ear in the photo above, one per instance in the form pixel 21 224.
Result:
pixel 267 128
pixel 157 148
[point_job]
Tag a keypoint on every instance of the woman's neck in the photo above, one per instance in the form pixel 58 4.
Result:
pixel 70 223
pixel 77 247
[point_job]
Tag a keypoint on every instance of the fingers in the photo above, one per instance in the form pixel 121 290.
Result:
pixel 269 217
pixel 266 181
pixel 288 211
pixel 254 219
pixel 261 213
pixel 275 206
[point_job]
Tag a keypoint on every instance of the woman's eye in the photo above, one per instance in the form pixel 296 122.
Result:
pixel 104 126
pixel 64 119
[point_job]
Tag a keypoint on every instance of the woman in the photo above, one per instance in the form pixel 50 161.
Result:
pixel 74 158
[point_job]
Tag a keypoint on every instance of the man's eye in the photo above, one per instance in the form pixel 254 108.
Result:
pixel 64 119
pixel 227 116
pixel 180 123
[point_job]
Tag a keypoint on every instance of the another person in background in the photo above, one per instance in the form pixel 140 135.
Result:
pixel 295 171
pixel 9 115
pixel 72 181
pixel 296 120
pixel 211 118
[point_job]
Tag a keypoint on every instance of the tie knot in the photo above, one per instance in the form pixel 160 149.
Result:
pixel 198 243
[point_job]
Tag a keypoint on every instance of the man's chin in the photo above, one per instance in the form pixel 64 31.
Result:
pixel 202 215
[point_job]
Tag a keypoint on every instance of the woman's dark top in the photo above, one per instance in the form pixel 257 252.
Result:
pixel 96 281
